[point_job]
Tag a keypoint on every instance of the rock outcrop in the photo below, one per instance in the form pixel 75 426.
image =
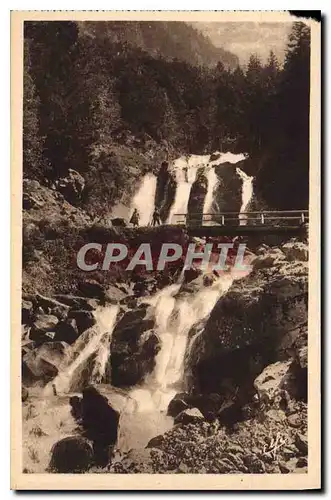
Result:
pixel 134 346
pixel 71 455
pixel 256 323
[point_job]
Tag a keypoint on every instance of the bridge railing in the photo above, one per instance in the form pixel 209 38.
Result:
pixel 266 217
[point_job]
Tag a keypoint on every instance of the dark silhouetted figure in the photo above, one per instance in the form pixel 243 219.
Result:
pixel 135 218
pixel 156 218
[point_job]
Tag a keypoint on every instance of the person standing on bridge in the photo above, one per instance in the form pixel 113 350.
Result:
pixel 156 217
pixel 135 218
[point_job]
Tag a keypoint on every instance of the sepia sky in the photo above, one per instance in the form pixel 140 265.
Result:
pixel 246 38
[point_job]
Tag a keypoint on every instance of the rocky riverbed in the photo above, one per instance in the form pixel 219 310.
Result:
pixel 240 406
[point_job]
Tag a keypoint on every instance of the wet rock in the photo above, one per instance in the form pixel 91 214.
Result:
pixel 264 261
pixel 84 319
pixel 92 289
pixel 302 462
pixel 254 464
pixel 99 419
pixel 66 331
pixel 31 199
pixel 114 295
pixel 176 406
pixel 27 309
pixel 71 186
pixel 271 380
pixel 134 347
pixel 42 324
pixel 301 443
pixel 72 454
pixel 296 251
pixel 215 156
pixel 43 362
pixel 190 416
pixel 79 303
pixel 156 442
pixel 252 318
pixel 119 222
pixel 130 302
pixel 294 420
pixel 235 448
pixel 191 274
pixel 289 452
pixel 25 393
pixel 234 458
pixel 141 461
pixel 51 305
pixel 284 468
pixel 262 249
pixel 76 408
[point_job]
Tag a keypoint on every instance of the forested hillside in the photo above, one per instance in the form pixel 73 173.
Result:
pixel 110 101
pixel 169 40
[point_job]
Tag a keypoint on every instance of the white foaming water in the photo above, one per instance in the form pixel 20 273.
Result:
pixel 185 170
pixel 174 318
pixel 144 199
pixel 246 194
pixel 185 177
pixel 93 346
pixel 212 185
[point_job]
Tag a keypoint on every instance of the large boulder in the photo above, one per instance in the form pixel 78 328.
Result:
pixel 250 326
pixel 93 289
pixel 134 347
pixel 176 406
pixel 130 366
pixel 71 455
pixel 71 186
pixel 42 324
pixel 43 362
pixel 114 294
pixel 83 319
pixel 66 331
pixel 272 380
pixel 190 416
pixel 100 422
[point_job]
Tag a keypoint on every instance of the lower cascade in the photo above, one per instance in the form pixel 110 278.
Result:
pixel 73 394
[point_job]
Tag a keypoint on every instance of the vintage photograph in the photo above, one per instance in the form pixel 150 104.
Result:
pixel 165 247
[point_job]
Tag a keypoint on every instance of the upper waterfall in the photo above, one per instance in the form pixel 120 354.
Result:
pixel 144 199
pixel 246 193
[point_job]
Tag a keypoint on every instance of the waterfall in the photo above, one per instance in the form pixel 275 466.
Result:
pixel 212 185
pixel 144 199
pixel 246 194
pixel 89 353
pixel 185 177
pixel 185 170
pixel 174 318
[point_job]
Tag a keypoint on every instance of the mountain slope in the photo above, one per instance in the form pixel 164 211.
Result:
pixel 171 40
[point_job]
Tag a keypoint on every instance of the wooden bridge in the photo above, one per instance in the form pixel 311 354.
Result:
pixel 245 223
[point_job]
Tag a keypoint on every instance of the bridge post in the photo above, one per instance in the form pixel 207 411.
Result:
pixel 222 220
pixel 262 218
pixel 303 218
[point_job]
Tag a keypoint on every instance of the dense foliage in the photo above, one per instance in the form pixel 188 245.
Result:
pixel 100 98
